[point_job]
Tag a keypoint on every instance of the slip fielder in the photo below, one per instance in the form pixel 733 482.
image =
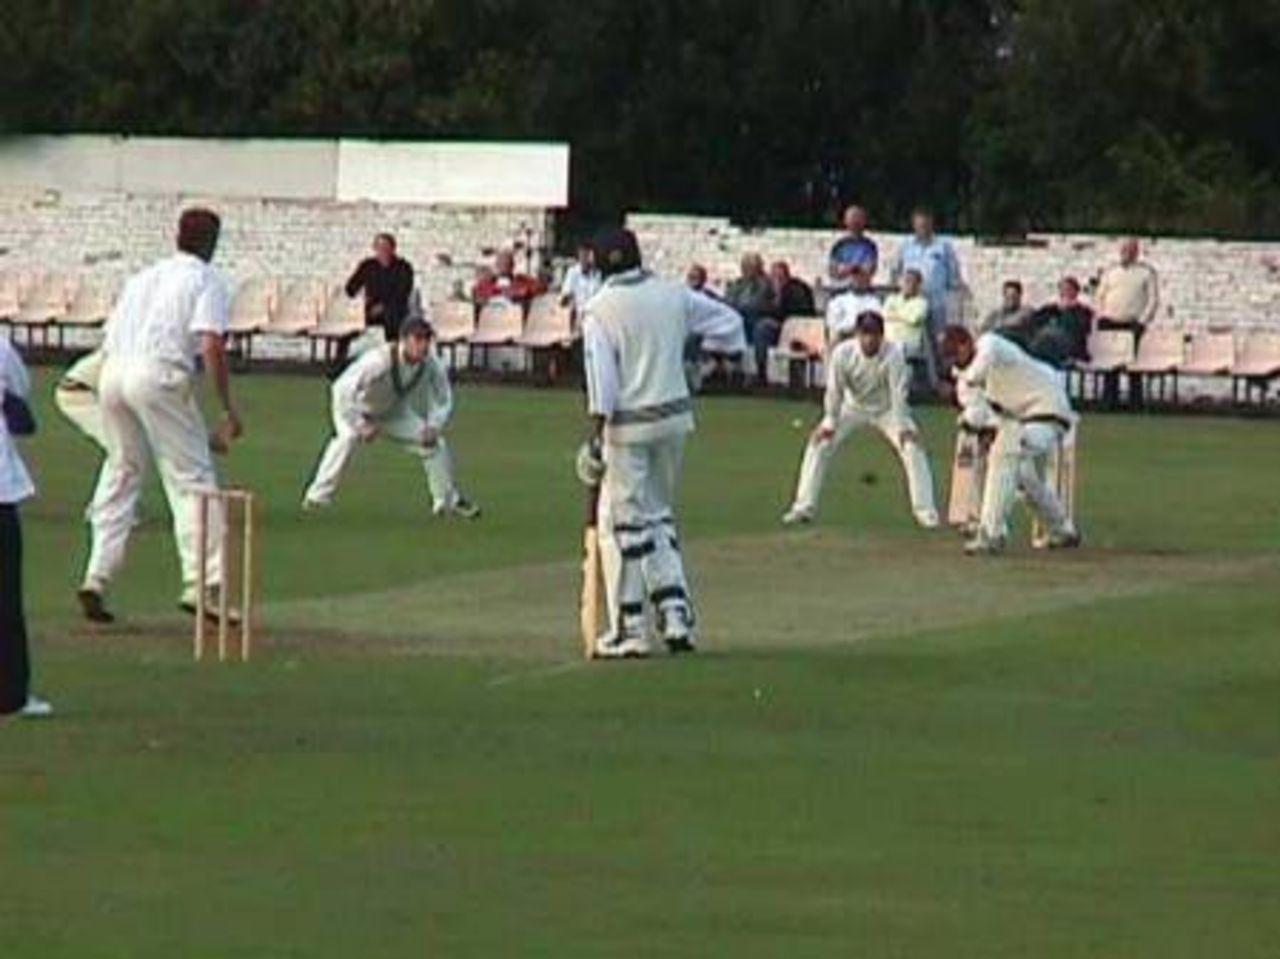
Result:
pixel 867 384
pixel 641 414
pixel 401 391
pixel 1033 416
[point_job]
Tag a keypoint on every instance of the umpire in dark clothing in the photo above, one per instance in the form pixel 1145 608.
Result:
pixel 387 283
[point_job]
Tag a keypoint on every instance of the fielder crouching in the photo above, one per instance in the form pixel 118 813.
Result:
pixel 401 391
pixel 641 412
pixel 1033 415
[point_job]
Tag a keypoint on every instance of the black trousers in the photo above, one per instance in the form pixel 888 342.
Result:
pixel 1111 381
pixel 15 667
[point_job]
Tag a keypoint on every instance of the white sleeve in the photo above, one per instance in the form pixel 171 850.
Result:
pixel 601 363
pixel 351 389
pixel 213 308
pixel 837 323
pixel 975 374
pixel 718 324
pixel 567 284
pixel 13 374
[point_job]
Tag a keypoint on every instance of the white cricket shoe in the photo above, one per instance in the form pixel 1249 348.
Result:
pixel 36 708
pixel 928 519
pixel 628 647
pixel 797 517
pixel 982 545
pixel 461 507
pixel 310 505
pixel 677 631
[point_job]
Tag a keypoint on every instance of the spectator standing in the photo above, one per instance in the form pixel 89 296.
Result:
pixel 503 282
pixel 853 250
pixel 935 259
pixel 386 280
pixel 580 283
pixel 1011 313
pixel 843 310
pixel 1127 299
pixel 791 297
pixel 906 312
pixel 15 487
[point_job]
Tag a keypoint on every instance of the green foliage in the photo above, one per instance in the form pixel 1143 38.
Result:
pixel 1003 114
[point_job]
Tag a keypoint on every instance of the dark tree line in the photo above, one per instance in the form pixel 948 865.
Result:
pixel 1151 115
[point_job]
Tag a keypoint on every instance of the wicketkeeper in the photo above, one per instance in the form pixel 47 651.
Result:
pixel 641 413
pixel 867 384
pixel 401 391
pixel 1034 414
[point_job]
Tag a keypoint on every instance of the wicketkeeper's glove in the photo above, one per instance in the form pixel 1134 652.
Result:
pixel 590 463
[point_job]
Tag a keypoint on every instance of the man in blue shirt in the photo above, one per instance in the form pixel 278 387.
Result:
pixel 853 250
pixel 935 259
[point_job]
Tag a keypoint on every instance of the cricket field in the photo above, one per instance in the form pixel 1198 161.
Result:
pixel 884 750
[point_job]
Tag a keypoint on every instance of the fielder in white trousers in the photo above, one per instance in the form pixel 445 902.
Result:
pixel 867 384
pixel 399 391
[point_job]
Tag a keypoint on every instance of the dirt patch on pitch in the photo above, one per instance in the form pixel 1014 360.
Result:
pixel 809 590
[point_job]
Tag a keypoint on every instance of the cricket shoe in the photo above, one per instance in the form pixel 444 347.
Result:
pixel 310 505
pixel 461 507
pixel 212 607
pixel 94 606
pixel 36 708
pixel 797 517
pixel 1067 539
pixel 927 519
pixel 677 631
pixel 982 545
pixel 625 647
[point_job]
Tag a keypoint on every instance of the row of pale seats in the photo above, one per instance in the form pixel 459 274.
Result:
pixel 299 306
pixel 1251 358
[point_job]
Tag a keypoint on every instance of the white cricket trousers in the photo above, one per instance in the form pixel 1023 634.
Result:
pixel 915 464
pixel 437 461
pixel 149 411
pixel 639 543
pixel 1018 460
pixel 81 408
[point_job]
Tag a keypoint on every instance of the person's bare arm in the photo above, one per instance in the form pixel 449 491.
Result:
pixel 218 369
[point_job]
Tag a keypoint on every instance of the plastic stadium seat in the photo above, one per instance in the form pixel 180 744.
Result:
pixel 1110 351
pixel 252 308
pixel 548 324
pixel 12 286
pixel 91 303
pixel 301 304
pixel 1211 353
pixel 1257 362
pixel 802 342
pixel 43 305
pixel 548 334
pixel 341 320
pixel 1161 357
pixel 454 322
pixel 500 323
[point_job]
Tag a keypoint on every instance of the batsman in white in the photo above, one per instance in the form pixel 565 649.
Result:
pixel 401 391
pixel 641 414
pixel 867 384
pixel 1033 414
pixel 168 315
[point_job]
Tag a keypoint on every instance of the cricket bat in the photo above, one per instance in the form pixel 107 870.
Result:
pixel 591 613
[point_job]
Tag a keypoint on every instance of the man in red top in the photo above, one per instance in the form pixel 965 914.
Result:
pixel 503 281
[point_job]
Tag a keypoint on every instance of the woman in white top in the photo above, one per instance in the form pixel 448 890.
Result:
pixel 15 486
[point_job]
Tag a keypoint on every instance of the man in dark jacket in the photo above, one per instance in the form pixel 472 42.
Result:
pixel 387 282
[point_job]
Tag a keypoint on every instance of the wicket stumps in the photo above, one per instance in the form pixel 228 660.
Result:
pixel 219 512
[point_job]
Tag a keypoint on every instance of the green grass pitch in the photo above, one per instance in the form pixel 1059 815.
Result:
pixel 885 750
